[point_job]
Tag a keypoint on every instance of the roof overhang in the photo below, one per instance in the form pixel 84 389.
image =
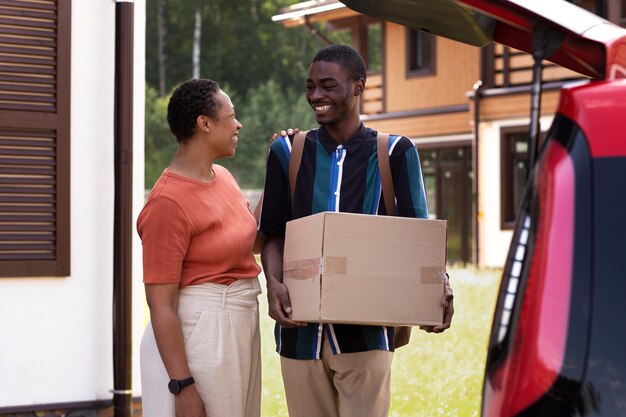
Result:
pixel 311 11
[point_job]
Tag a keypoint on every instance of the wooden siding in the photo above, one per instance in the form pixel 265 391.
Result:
pixel 426 125
pixel 516 105
pixel 457 69
pixel 512 67
pixel 372 98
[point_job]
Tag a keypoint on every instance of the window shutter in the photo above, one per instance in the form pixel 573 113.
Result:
pixel 34 137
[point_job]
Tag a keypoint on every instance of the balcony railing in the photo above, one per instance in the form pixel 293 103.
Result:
pixel 507 67
pixel 372 98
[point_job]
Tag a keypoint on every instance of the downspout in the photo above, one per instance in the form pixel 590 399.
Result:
pixel 486 81
pixel 122 235
pixel 478 87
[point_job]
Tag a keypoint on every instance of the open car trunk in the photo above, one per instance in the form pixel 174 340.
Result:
pixel 586 43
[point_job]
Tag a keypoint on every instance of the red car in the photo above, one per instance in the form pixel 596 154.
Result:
pixel 558 340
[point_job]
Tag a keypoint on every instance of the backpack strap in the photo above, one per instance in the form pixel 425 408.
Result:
pixel 402 334
pixel 382 145
pixel 297 148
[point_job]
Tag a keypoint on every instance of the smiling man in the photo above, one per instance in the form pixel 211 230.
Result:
pixel 335 370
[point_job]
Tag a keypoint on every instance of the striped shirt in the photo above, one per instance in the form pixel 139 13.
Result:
pixel 343 178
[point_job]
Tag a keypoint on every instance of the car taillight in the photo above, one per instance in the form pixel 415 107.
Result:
pixel 530 325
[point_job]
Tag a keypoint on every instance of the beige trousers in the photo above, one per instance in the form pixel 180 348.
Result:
pixel 220 327
pixel 344 385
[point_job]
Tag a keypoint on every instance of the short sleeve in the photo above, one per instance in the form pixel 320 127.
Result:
pixel 408 182
pixel 275 211
pixel 165 232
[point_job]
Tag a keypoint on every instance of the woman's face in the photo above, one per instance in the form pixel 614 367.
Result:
pixel 225 128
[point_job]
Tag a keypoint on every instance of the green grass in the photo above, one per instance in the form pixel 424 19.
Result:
pixel 435 375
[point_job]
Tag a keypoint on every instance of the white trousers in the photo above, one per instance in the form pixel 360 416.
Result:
pixel 220 327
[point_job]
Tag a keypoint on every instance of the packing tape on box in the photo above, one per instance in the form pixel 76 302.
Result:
pixel 335 265
pixel 432 274
pixel 308 268
pixel 301 269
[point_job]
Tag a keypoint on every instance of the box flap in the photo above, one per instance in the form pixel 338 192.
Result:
pixel 301 265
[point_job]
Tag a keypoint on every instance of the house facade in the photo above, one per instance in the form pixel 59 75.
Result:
pixel 57 192
pixel 466 108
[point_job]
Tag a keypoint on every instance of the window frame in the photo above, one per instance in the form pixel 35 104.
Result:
pixel 413 37
pixel 22 122
pixel 358 28
pixel 508 161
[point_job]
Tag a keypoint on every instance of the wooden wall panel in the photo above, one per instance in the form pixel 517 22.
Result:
pixel 457 69
pixel 517 105
pixel 420 126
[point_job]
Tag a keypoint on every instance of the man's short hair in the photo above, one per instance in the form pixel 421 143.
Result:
pixel 189 100
pixel 347 58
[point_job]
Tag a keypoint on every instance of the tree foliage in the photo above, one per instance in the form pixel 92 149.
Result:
pixel 240 45
pixel 268 110
pixel 259 63
pixel 160 145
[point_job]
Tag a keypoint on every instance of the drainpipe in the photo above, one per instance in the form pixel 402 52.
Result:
pixel 478 87
pixel 486 81
pixel 122 235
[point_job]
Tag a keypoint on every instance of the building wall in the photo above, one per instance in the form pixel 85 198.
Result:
pixel 56 333
pixel 457 69
pixel 494 241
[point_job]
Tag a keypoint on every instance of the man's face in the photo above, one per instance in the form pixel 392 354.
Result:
pixel 330 93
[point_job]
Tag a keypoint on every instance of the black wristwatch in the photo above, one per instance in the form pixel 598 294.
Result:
pixel 176 385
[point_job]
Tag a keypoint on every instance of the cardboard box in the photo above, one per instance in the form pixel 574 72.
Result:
pixel 364 269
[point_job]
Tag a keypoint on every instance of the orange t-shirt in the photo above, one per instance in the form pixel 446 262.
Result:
pixel 193 231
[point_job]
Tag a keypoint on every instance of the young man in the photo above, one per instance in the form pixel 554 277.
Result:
pixel 335 370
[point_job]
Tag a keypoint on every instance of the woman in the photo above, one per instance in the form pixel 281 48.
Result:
pixel 200 354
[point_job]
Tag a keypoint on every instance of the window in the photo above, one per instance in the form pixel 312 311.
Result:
pixel 365 35
pixel 341 36
pixel 514 172
pixel 34 137
pixel 420 53
pixel 374 47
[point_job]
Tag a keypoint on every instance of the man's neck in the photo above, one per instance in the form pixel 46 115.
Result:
pixel 343 131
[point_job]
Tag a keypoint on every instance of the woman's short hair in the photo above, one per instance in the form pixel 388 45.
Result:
pixel 189 100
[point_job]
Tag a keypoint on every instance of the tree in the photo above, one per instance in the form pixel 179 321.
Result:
pixel 268 109
pixel 259 63
pixel 161 36
pixel 160 144
pixel 239 44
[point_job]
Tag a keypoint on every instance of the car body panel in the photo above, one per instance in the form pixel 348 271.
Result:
pixel 553 384
pixel 599 108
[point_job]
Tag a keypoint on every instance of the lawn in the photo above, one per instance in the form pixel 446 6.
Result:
pixel 435 375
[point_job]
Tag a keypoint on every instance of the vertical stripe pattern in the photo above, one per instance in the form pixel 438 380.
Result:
pixel 341 177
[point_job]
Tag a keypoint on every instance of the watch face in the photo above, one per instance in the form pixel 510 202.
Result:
pixel 174 386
